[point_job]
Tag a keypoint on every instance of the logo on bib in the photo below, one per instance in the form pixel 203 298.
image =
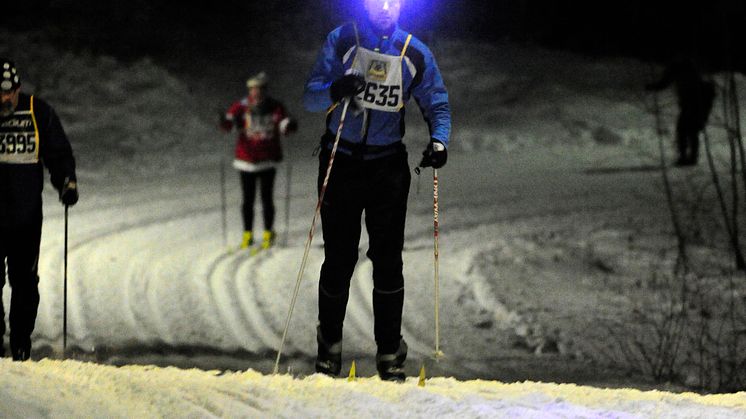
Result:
pixel 378 70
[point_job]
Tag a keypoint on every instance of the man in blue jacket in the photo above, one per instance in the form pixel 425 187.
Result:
pixel 377 67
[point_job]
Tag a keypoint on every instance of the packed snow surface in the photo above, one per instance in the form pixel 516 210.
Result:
pixel 56 389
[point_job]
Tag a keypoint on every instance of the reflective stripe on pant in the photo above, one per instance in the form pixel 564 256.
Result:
pixel 379 188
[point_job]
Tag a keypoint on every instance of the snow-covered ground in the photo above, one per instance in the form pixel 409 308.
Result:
pixel 73 389
pixel 551 212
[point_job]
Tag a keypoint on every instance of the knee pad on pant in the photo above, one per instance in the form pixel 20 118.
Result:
pixel 335 276
pixel 387 281
pixel 25 282
pixel 332 309
pixel 334 293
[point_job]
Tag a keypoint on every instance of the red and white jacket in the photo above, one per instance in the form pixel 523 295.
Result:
pixel 259 127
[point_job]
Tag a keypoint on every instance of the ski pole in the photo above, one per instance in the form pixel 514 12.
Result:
pixel 436 236
pixel 223 196
pixel 223 199
pixel 64 304
pixel 310 234
pixel 288 178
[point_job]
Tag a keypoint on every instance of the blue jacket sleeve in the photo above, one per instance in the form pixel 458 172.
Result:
pixel 432 97
pixel 316 97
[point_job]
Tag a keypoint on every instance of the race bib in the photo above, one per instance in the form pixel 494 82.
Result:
pixel 383 80
pixel 18 140
pixel 259 125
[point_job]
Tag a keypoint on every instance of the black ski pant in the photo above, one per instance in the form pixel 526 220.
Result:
pixel 692 120
pixel 687 137
pixel 266 179
pixel 379 188
pixel 19 257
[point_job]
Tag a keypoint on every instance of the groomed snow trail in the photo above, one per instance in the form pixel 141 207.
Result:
pixel 149 273
pixel 74 389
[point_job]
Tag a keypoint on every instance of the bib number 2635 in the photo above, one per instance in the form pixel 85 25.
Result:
pixel 381 94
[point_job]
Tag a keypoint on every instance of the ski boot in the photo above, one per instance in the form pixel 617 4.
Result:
pixel 268 239
pixel 247 240
pixel 20 351
pixel 329 358
pixel 391 366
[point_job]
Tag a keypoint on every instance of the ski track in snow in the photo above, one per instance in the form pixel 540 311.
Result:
pixel 140 265
pixel 133 268
pixel 148 268
pixel 246 277
pixel 223 293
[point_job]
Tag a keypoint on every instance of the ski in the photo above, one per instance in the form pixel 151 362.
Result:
pixel 247 251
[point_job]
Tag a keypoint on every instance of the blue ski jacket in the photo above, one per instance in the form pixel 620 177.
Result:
pixel 421 79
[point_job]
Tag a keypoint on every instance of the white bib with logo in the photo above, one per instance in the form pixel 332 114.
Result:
pixel 383 79
pixel 259 125
pixel 18 139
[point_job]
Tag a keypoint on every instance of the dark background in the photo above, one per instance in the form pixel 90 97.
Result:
pixel 710 31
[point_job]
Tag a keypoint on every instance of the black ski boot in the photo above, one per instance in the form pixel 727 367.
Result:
pixel 391 366
pixel 329 357
pixel 20 351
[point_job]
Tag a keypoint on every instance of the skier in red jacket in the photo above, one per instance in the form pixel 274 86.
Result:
pixel 260 121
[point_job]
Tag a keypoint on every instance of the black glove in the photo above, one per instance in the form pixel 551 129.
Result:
pixel 346 86
pixel 69 193
pixel 223 122
pixel 292 126
pixel 435 155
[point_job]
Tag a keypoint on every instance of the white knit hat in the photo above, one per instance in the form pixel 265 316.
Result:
pixel 9 79
pixel 259 80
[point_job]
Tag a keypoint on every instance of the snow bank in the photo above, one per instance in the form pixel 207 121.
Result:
pixel 124 119
pixel 506 97
pixel 70 388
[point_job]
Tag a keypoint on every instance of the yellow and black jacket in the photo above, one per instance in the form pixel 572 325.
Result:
pixel 30 139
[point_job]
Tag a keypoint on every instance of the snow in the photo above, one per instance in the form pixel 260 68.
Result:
pixel 71 388
pixel 549 213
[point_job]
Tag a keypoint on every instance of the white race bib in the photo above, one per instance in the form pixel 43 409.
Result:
pixel 384 90
pixel 18 142
pixel 259 125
